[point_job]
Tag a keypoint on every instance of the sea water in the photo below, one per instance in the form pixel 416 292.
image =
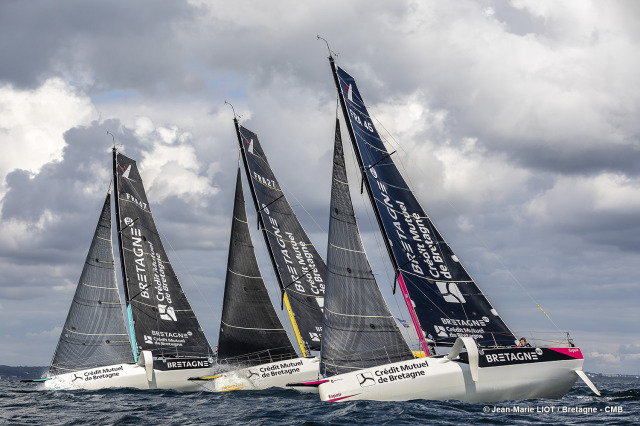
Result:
pixel 30 404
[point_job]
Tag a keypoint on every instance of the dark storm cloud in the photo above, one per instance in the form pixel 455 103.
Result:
pixel 66 196
pixel 124 40
pixel 546 94
pixel 70 191
pixel 585 161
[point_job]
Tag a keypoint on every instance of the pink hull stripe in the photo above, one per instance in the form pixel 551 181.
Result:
pixel 572 352
pixel 412 312
pixel 342 397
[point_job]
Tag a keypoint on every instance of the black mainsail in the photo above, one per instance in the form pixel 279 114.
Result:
pixel 163 320
pixel 359 330
pixel 250 330
pixel 94 334
pixel 442 298
pixel 300 269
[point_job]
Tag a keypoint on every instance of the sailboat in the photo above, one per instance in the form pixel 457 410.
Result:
pixel 253 346
pixel 160 343
pixel 362 357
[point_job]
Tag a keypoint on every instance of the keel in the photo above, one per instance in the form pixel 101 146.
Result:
pixel 589 383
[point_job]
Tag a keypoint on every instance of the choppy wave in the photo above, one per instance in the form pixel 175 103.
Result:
pixel 28 404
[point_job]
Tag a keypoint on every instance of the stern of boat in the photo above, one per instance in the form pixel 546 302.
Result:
pixel 473 375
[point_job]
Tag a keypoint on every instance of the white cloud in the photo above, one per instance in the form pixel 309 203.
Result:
pixel 478 176
pixel 608 358
pixel 18 235
pixel 482 108
pixel 53 333
pixel 572 198
pixel 67 286
pixel 171 166
pixel 32 123
pixel 614 361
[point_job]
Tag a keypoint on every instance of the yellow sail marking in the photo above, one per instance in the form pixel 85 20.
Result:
pixel 294 324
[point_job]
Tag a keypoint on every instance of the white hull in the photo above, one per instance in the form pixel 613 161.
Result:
pixel 112 376
pixel 465 380
pixel 264 376
pixel 168 374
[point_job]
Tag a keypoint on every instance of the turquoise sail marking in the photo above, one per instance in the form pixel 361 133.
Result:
pixel 132 334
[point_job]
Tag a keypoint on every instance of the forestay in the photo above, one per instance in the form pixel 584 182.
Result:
pixel 250 330
pixel 359 330
pixel 94 334
pixel 164 321
pixel 300 269
pixel 441 296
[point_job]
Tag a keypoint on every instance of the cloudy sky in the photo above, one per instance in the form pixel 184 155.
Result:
pixel 516 123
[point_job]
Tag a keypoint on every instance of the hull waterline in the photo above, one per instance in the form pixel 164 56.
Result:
pixel 156 374
pixel 474 376
pixel 263 376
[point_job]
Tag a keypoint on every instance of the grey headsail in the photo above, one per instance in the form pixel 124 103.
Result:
pixel 250 330
pixel 163 320
pixel 359 330
pixel 300 269
pixel 94 334
pixel 442 298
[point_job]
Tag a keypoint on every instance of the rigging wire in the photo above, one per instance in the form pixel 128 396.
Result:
pixel 174 251
pixel 382 252
pixel 391 140
pixel 271 278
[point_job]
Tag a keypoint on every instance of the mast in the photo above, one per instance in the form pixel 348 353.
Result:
pixel 160 315
pixel 359 329
pixel 285 299
pixel 299 269
pixel 367 184
pixel 123 266
pixel 94 333
pixel 258 336
pixel 440 295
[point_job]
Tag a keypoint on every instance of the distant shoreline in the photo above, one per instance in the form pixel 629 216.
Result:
pixel 21 372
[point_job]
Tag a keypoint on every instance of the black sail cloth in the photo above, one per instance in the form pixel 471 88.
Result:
pixel 447 301
pixel 94 334
pixel 250 330
pixel 359 329
pixel 164 322
pixel 300 270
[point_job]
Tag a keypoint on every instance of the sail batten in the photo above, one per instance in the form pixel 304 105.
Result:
pixel 92 335
pixel 359 329
pixel 299 269
pixel 249 327
pixel 162 318
pixel 443 300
